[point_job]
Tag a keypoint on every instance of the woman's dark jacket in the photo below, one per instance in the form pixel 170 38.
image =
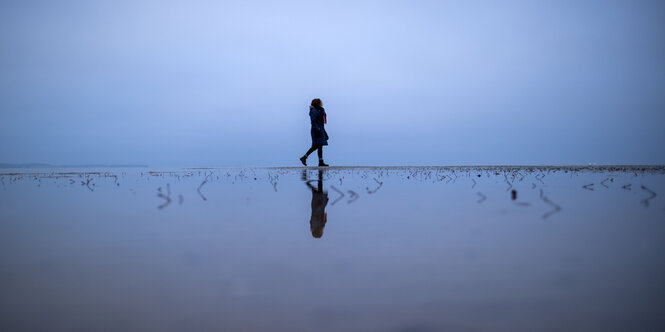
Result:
pixel 319 135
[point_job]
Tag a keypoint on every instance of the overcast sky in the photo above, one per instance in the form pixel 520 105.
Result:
pixel 228 83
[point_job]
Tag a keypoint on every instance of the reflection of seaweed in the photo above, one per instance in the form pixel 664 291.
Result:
pixel 646 200
pixel 354 196
pixel 340 197
pixel 522 176
pixel 556 207
pixel 439 177
pixel 92 179
pixel 455 178
pixel 377 188
pixel 167 197
pixel 273 180
pixel 198 190
pixel 482 197
pixel 86 183
pixel 505 177
pixel 115 178
pixel 603 182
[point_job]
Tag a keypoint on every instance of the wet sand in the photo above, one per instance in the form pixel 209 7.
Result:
pixel 508 248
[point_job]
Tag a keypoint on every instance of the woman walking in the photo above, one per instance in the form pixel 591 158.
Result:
pixel 319 136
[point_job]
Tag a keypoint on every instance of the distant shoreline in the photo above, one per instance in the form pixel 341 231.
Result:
pixel 157 169
pixel 41 165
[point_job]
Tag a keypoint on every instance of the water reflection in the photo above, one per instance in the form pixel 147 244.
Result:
pixel 538 187
pixel 319 201
pixel 408 242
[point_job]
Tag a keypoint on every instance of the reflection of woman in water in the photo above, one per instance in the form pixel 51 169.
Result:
pixel 319 201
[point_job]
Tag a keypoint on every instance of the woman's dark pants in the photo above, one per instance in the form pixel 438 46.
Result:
pixel 314 147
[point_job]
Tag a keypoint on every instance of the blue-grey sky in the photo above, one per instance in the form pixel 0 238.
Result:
pixel 228 83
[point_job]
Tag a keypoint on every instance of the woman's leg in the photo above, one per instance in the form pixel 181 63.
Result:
pixel 320 153
pixel 314 147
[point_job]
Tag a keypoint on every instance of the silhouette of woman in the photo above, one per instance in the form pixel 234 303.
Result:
pixel 317 116
pixel 319 201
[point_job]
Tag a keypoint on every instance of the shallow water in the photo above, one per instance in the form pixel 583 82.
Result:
pixel 353 249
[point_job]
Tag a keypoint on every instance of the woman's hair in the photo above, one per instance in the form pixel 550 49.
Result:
pixel 316 102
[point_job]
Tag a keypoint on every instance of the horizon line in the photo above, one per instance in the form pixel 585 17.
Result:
pixel 542 166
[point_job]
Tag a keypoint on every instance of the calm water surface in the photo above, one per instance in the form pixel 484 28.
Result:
pixel 340 249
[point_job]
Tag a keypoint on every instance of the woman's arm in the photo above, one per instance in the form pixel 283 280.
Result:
pixel 315 116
